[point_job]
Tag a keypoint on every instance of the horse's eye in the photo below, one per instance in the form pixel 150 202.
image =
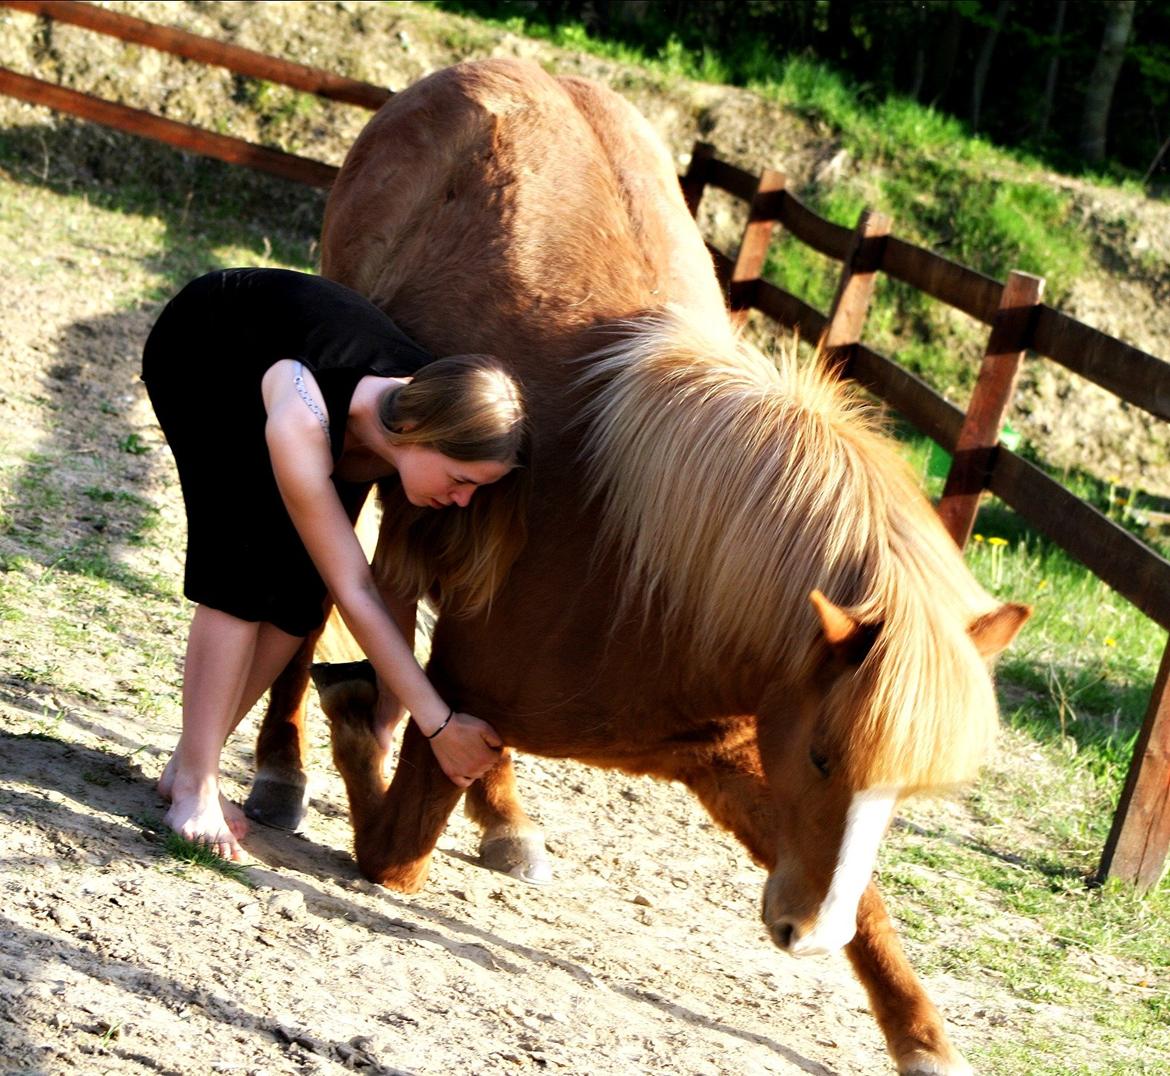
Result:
pixel 819 760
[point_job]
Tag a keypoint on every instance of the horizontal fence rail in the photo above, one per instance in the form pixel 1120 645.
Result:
pixel 1133 375
pixel 240 61
pixel 180 135
pixel 1127 372
pixel 207 50
pixel 1140 837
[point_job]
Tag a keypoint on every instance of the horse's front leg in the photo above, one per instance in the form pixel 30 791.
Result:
pixel 395 828
pixel 730 784
pixel 509 840
pixel 280 790
pixel 914 1030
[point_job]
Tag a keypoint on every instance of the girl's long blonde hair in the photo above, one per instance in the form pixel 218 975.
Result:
pixel 467 407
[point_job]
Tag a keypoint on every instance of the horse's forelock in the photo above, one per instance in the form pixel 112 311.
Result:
pixel 734 485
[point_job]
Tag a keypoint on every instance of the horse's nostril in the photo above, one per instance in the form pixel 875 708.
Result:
pixel 782 932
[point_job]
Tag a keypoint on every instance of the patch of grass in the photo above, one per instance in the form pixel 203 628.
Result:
pixel 42 737
pixel 1080 941
pixel 199 855
pixel 273 103
pixel 92 557
pixel 1074 690
pixel 133 444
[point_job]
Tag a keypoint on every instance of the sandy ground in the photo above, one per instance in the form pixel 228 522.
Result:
pixel 646 954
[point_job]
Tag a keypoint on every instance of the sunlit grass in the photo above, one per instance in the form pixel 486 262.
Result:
pixel 199 855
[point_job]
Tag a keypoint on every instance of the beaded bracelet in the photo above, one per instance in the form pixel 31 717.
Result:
pixel 446 721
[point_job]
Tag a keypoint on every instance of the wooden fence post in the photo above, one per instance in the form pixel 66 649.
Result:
pixel 763 211
pixel 855 289
pixel 1140 837
pixel 695 179
pixel 974 453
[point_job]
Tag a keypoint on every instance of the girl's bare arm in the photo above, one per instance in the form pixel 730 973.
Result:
pixel 302 463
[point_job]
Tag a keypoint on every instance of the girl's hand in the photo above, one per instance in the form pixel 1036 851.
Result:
pixel 466 749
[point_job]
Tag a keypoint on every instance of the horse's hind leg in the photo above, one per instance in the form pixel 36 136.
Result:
pixel 914 1030
pixel 395 828
pixel 280 790
pixel 510 841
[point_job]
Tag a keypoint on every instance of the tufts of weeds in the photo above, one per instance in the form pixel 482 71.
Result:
pixel 199 855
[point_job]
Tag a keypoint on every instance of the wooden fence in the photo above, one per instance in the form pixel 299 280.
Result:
pixel 1017 321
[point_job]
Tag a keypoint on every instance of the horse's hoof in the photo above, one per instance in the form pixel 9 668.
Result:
pixel 518 857
pixel 921 1063
pixel 281 802
pixel 327 674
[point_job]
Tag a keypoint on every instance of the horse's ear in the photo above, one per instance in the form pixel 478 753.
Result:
pixel 993 631
pixel 848 638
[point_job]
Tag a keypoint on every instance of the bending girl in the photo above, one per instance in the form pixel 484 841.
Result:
pixel 283 397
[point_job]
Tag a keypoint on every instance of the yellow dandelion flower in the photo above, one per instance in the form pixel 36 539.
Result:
pixel 997 541
pixel 1110 641
pixel 1042 585
pixel 978 537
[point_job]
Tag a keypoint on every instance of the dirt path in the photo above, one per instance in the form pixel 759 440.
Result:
pixel 644 956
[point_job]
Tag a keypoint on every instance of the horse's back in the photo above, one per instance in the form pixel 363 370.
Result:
pixel 650 191
pixel 491 206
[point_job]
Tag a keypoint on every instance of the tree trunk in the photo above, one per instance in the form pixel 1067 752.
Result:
pixel 944 51
pixel 1049 98
pixel 1103 80
pixel 983 64
pixel 921 35
pixel 837 37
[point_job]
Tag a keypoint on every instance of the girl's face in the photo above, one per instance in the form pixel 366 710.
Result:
pixel 432 480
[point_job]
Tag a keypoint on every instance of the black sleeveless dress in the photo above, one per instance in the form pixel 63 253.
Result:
pixel 202 364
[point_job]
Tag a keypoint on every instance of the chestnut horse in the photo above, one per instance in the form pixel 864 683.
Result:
pixel 730 579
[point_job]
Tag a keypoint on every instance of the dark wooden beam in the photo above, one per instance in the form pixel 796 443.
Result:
pixel 1140 837
pixel 206 50
pixel 753 247
pixel 180 135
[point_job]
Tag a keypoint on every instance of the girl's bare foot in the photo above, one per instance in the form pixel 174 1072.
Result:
pixel 237 821
pixel 197 814
pixel 167 781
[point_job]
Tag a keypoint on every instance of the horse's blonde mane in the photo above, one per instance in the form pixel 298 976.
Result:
pixel 734 485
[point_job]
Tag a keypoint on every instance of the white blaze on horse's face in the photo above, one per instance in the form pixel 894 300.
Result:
pixel 835 922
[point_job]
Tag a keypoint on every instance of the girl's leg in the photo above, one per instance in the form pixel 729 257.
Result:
pixel 271 651
pixel 274 650
pixel 220 653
